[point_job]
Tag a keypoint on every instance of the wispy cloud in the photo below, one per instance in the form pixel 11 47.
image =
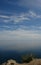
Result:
pixel 14 18
pixel 34 15
pixel 21 17
pixel 31 27
pixel 17 21
pixel 3 16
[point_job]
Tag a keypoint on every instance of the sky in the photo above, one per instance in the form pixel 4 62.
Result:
pixel 20 24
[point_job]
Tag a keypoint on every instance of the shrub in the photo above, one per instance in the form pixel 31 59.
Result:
pixel 27 58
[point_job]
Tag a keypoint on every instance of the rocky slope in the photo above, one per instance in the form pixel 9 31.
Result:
pixel 33 62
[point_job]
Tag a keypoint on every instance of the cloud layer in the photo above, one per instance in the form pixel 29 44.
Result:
pixel 19 39
pixel 29 20
pixel 20 24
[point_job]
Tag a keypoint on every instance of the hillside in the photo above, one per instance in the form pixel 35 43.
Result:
pixel 13 62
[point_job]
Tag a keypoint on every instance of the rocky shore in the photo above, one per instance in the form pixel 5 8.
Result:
pixel 13 62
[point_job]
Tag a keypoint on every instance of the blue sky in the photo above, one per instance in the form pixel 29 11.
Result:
pixel 20 24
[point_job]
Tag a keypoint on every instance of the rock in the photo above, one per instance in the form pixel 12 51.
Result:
pixel 10 62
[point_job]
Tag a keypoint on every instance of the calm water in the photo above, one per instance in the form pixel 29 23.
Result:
pixel 5 55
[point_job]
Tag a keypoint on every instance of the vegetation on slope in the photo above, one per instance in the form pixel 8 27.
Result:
pixel 27 58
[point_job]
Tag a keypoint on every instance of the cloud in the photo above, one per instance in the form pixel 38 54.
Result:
pixel 36 27
pixel 17 21
pixel 31 27
pixel 3 16
pixel 20 34
pixel 20 39
pixel 15 26
pixel 17 30
pixel 33 14
pixel 21 17
pixel 14 18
